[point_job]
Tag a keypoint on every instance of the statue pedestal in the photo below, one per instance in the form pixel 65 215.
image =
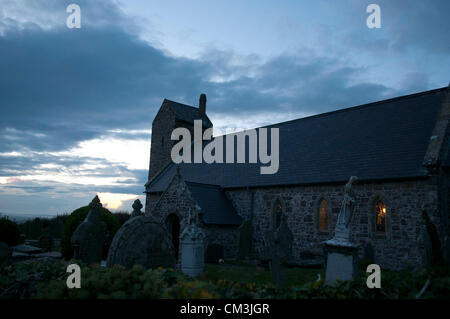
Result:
pixel 342 261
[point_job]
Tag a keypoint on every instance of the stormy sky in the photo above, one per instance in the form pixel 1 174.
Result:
pixel 76 105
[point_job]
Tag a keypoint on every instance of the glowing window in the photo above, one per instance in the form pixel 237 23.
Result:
pixel 380 210
pixel 323 216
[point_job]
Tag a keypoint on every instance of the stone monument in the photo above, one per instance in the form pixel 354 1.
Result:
pixel 273 256
pixel 90 236
pixel 137 206
pixel 245 240
pixel 192 246
pixel 285 239
pixel 5 254
pixel 141 240
pixel 342 255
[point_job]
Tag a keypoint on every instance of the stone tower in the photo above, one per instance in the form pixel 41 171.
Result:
pixel 170 116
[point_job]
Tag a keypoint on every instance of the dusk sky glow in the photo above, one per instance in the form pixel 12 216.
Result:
pixel 76 105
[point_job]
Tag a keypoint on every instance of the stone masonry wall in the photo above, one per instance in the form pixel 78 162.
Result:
pixel 401 247
pixel 175 200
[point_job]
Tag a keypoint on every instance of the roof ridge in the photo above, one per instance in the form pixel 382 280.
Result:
pixel 360 106
pixel 191 106
pixel 204 184
pixel 351 108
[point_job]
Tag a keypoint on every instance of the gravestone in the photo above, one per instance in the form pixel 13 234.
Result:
pixel 273 256
pixel 137 206
pixel 46 242
pixel 90 236
pixel 192 247
pixel 369 253
pixel 214 252
pixel 5 254
pixel 141 240
pixel 245 240
pixel 285 238
pixel 342 255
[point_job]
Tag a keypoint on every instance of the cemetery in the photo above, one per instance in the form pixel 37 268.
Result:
pixel 141 263
pixel 226 231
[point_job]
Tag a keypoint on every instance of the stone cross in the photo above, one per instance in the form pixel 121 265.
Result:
pixel 245 240
pixel 137 209
pixel 272 239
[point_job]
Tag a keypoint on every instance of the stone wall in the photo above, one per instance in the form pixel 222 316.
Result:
pixel 176 200
pixel 161 144
pixel 403 244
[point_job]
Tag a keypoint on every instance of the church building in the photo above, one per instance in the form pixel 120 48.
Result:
pixel 398 148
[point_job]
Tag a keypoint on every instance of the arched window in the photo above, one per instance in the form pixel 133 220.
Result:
pixel 277 212
pixel 323 216
pixel 380 210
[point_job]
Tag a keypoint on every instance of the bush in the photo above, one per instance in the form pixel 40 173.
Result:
pixel 9 232
pixel 122 217
pixel 75 219
pixel 47 279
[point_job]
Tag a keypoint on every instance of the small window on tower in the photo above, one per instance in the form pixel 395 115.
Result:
pixel 380 210
pixel 162 141
pixel 323 216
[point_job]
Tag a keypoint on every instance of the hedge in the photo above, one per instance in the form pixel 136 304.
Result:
pixel 9 232
pixel 47 280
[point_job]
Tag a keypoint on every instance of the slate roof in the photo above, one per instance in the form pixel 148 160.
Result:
pixel 377 141
pixel 187 113
pixel 216 207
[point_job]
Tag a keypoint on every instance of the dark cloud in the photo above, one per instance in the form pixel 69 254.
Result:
pixel 61 86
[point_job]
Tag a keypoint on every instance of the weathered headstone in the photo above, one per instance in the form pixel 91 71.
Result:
pixel 273 256
pixel 192 247
pixel 5 254
pixel 46 242
pixel 90 236
pixel 369 253
pixel 342 255
pixel 137 206
pixel 285 238
pixel 245 240
pixel 141 240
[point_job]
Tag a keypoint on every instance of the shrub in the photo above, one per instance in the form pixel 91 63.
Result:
pixel 75 219
pixel 9 232
pixel 47 279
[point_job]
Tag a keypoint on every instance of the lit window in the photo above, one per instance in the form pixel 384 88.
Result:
pixel 277 210
pixel 323 216
pixel 380 210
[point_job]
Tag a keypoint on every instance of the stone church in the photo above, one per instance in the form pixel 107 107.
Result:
pixel 398 148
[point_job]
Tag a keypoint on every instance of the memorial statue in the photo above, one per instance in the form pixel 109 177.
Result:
pixel 342 230
pixel 342 254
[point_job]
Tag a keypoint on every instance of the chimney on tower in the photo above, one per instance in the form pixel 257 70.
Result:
pixel 202 105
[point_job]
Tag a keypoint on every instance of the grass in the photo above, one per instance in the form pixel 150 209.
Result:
pixel 252 274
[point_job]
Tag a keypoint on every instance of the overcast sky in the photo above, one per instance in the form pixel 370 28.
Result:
pixel 76 105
